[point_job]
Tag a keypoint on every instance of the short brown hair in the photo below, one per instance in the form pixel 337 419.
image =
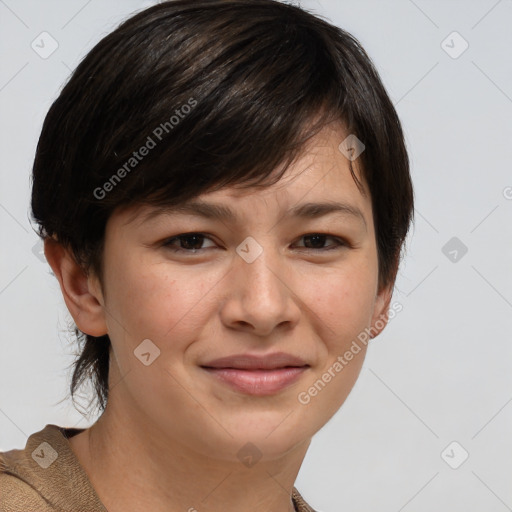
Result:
pixel 258 78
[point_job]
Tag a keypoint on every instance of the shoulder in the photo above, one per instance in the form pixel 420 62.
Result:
pixel 299 503
pixel 31 478
pixel 18 496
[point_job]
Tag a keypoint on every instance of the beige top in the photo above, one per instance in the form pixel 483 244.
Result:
pixel 46 476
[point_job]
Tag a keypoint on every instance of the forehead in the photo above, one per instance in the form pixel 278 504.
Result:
pixel 320 174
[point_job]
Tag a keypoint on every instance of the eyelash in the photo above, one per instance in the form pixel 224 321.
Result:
pixel 168 243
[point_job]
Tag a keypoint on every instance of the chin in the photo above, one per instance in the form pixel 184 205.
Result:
pixel 273 433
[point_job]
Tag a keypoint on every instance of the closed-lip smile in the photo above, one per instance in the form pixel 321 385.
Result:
pixel 255 374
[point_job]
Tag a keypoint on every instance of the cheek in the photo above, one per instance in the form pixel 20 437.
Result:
pixel 342 305
pixel 343 302
pixel 158 301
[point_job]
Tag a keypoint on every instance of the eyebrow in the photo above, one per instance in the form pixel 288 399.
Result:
pixel 224 213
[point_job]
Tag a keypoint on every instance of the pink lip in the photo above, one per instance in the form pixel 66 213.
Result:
pixel 258 375
pixel 256 362
pixel 258 382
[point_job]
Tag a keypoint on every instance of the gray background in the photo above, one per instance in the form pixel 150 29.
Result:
pixel 440 372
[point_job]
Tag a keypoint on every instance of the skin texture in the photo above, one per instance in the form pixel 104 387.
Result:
pixel 170 434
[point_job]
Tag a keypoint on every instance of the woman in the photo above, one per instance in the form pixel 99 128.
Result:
pixel 223 191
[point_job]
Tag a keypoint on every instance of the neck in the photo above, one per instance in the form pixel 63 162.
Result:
pixel 134 466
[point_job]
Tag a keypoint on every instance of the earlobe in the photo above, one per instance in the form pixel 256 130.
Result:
pixel 82 293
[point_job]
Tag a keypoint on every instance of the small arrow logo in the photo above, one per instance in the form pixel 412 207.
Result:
pixel 454 45
pixel 249 249
pixel 454 455
pixel 44 45
pixel 351 147
pixel 44 455
pixel 146 352
pixel 249 455
pixel 454 249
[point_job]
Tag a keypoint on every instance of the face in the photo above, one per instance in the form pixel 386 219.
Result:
pixel 276 277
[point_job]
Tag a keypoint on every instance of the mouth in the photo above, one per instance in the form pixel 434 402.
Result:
pixel 257 375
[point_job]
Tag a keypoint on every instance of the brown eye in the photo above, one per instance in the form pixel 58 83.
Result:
pixel 316 241
pixel 186 242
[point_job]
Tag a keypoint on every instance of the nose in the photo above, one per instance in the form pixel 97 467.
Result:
pixel 262 295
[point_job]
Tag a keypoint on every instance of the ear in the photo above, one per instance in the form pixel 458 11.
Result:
pixel 82 293
pixel 381 310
